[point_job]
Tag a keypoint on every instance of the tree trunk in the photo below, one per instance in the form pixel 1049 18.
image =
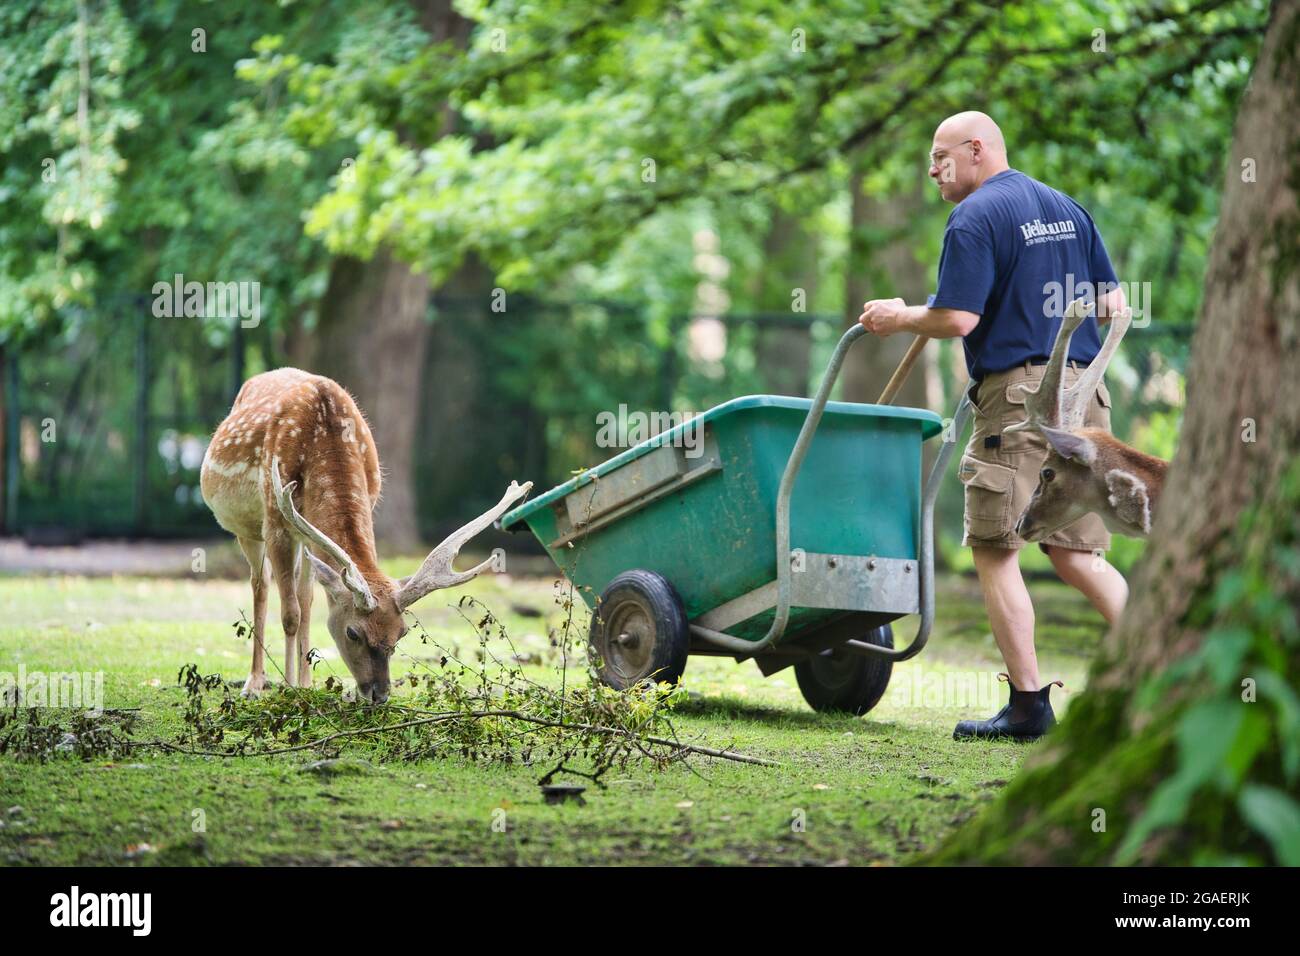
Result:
pixel 372 335
pixel 461 465
pixel 1185 747
pixel 4 448
pixel 370 339
pixel 882 264
pixel 789 263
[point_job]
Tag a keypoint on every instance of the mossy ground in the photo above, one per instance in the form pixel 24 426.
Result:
pixel 876 789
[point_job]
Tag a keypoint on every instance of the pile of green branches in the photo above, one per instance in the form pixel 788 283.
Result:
pixel 487 711
pixel 45 733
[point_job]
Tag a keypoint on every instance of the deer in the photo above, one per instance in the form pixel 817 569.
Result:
pixel 1087 469
pixel 293 473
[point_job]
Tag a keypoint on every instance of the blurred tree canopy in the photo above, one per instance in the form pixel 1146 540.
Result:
pixel 580 126
pixel 642 152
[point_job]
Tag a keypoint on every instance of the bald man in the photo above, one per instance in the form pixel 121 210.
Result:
pixel 1011 248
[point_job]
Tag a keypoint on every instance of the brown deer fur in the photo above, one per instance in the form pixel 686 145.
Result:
pixel 1090 470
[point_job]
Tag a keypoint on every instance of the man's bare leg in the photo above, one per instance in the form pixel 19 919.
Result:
pixel 1094 577
pixel 1011 613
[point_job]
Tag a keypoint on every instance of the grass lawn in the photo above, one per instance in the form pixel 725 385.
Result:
pixel 875 789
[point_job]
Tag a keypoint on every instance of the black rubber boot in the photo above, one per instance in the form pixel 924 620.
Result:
pixel 1026 716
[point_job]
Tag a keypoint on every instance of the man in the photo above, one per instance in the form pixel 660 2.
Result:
pixel 1012 250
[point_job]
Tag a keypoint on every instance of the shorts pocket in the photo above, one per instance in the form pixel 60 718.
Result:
pixel 1099 411
pixel 988 496
pixel 1016 391
pixel 1024 441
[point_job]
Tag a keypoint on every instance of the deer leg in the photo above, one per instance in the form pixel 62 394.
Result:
pixel 255 552
pixel 305 581
pixel 282 549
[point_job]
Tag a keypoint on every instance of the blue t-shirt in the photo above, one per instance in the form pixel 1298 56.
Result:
pixel 1016 253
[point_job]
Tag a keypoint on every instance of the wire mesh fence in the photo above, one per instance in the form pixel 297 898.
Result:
pixel 105 423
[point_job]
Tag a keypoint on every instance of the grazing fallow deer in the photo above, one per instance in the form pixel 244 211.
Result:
pixel 293 471
pixel 1087 469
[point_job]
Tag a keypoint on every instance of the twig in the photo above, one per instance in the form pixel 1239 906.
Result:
pixel 475 715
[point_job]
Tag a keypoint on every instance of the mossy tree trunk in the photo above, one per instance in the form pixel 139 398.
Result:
pixel 1185 746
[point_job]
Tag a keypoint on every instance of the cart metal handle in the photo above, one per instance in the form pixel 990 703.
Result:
pixel 786 488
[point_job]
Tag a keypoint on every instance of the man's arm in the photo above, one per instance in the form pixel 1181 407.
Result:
pixel 887 316
pixel 1112 302
pixel 966 271
pixel 1103 277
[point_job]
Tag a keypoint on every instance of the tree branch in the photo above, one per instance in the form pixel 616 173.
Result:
pixel 473 715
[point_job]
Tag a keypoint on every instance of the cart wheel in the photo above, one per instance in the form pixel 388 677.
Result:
pixel 639 630
pixel 839 680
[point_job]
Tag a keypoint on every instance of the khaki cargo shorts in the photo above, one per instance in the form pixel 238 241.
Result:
pixel 1000 472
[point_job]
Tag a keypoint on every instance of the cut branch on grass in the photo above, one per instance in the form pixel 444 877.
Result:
pixel 675 745
pixel 489 711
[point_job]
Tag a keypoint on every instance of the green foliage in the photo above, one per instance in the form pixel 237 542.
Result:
pixel 579 126
pixel 207 162
pixel 579 152
pixel 146 162
pixel 42 734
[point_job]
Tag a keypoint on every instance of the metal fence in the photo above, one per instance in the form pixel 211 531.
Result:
pixel 106 422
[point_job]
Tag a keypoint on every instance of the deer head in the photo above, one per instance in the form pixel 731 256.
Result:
pixel 1087 470
pixel 366 615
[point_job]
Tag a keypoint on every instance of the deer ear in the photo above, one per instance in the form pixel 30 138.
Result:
pixel 1128 496
pixel 1070 445
pixel 328 577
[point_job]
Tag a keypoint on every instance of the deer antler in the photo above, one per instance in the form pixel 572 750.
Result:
pixel 436 571
pixel 365 601
pixel 1054 405
pixel 1043 405
pixel 1075 399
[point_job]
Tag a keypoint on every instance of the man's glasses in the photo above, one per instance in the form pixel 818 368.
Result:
pixel 940 154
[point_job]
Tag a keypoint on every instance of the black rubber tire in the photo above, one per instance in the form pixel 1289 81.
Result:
pixel 837 681
pixel 644 606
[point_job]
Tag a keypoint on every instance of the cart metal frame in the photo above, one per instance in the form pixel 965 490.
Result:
pixel 846 582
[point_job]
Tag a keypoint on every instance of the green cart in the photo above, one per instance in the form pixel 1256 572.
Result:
pixel 701 540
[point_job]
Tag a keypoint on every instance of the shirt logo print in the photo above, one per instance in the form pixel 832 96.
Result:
pixel 1038 231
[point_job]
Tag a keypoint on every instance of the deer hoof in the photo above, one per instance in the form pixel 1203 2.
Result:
pixel 254 686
